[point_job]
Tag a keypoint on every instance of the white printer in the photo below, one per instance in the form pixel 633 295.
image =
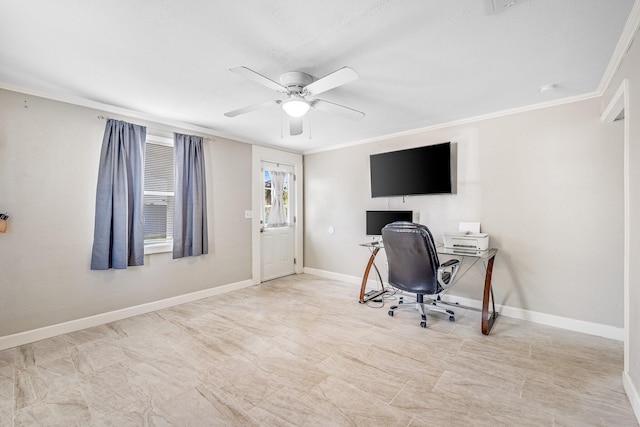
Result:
pixel 468 237
pixel 465 240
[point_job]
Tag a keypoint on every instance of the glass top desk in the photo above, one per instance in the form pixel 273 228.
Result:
pixel 488 256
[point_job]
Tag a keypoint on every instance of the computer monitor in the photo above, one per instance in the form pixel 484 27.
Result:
pixel 376 220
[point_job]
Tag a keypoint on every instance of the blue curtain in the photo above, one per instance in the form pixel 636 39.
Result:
pixel 118 239
pixel 190 236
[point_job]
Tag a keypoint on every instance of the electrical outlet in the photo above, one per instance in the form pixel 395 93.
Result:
pixel 248 214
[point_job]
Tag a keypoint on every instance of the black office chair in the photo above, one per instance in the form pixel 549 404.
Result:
pixel 414 266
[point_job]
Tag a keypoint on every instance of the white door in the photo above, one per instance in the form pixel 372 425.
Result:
pixel 277 221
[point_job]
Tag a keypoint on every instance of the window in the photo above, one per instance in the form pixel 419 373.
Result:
pixel 269 199
pixel 158 191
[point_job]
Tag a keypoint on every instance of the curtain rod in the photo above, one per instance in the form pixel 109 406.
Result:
pixel 152 130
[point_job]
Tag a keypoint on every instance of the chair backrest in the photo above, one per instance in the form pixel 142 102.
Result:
pixel 412 257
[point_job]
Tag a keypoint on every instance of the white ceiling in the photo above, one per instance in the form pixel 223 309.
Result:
pixel 421 62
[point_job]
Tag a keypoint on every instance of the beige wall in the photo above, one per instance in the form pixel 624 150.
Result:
pixel 49 154
pixel 630 69
pixel 545 184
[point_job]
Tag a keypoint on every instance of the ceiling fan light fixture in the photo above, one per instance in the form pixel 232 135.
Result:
pixel 296 107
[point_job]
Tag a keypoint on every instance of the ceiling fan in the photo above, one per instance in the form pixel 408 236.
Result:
pixel 301 89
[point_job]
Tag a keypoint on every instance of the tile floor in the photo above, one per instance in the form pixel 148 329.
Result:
pixel 301 351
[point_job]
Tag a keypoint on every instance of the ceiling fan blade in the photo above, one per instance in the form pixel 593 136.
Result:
pixel 330 107
pixel 253 107
pixel 295 126
pixel 257 77
pixel 338 78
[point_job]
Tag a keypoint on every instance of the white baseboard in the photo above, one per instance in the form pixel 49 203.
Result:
pixel 341 277
pixel 26 337
pixel 10 341
pixel 590 328
pixel 632 394
pixel 333 276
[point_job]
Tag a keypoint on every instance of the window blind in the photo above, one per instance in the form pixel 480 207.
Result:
pixel 158 192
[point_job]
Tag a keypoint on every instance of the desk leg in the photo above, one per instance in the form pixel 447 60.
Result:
pixel 488 318
pixel 365 277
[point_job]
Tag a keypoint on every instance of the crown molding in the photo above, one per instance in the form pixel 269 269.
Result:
pixel 624 43
pixel 481 117
pixel 106 108
pixel 111 109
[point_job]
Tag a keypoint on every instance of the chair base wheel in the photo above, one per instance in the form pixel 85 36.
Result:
pixel 391 313
pixel 452 319
pixel 423 324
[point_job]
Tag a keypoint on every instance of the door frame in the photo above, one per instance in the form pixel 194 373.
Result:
pixel 619 107
pixel 258 155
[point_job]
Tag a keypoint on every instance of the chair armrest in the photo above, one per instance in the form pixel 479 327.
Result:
pixel 447 273
pixel 450 262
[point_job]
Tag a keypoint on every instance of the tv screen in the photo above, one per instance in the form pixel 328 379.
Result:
pixel 423 170
pixel 376 220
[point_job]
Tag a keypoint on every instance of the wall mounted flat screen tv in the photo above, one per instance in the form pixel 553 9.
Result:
pixel 376 220
pixel 422 170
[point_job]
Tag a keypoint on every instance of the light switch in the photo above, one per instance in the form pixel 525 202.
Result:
pixel 248 214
